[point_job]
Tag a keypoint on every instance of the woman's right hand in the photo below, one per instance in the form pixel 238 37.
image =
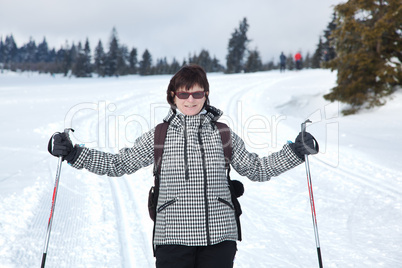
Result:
pixel 61 145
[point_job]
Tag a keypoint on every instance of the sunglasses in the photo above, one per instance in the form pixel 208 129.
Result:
pixel 186 95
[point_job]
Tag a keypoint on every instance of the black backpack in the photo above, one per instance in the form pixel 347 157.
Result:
pixel 236 187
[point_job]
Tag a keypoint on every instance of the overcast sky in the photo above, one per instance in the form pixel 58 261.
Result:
pixel 170 28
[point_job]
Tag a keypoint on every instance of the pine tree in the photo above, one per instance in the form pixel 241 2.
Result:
pixel 318 55
pixel 88 65
pixel 205 60
pixel 1 49
pixel 146 63
pixel 133 62
pixel 216 66
pixel 70 56
pixel 1 54
pixel 60 54
pixel 236 48
pixel 82 65
pixel 78 66
pixel 328 45
pixel 307 61
pixel 122 60
pixel 112 55
pixel 10 51
pixel 100 58
pixel 368 47
pixel 174 67
pixel 270 65
pixel 254 63
pixel 43 52
pixel 31 51
pixel 290 62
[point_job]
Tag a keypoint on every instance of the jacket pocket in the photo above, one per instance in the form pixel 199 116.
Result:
pixel 225 202
pixel 168 203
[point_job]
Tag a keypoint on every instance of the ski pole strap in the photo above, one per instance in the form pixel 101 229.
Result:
pixel 50 144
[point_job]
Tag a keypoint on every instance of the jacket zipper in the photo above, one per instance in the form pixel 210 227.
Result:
pixel 186 173
pixel 204 169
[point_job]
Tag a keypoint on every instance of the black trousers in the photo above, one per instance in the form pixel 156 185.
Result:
pixel 216 256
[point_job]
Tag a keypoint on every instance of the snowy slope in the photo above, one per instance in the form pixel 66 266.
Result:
pixel 103 222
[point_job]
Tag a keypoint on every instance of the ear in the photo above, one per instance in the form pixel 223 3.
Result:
pixel 207 93
pixel 172 94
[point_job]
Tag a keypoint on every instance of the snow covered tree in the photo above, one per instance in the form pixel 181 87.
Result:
pixel 236 48
pixel 369 52
pixel 146 63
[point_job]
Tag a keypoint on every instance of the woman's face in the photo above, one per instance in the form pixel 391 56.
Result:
pixel 190 105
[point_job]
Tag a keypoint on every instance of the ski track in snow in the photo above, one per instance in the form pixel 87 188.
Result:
pixel 104 222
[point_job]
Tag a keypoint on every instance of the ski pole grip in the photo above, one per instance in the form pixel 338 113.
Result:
pixel 303 125
pixel 50 144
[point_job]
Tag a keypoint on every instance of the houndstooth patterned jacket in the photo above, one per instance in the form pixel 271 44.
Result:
pixel 194 205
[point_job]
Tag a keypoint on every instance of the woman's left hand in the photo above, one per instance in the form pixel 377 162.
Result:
pixel 305 144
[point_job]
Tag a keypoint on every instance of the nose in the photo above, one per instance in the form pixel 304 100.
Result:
pixel 190 98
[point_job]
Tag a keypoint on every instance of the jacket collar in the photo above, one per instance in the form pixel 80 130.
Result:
pixel 211 114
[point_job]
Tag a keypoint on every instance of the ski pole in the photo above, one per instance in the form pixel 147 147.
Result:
pixel 310 189
pixel 56 186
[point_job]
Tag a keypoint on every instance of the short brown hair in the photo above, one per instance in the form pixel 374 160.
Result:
pixel 188 76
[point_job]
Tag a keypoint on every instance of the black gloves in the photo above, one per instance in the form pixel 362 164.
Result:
pixel 61 145
pixel 304 144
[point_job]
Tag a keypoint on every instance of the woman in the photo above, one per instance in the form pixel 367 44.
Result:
pixel 195 226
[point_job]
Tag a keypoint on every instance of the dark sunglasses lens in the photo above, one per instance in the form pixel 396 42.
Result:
pixel 186 95
pixel 183 95
pixel 198 95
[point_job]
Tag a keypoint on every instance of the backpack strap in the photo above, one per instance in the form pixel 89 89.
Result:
pixel 159 141
pixel 236 188
pixel 226 138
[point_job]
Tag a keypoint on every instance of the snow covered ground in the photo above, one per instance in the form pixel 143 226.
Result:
pixel 103 222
